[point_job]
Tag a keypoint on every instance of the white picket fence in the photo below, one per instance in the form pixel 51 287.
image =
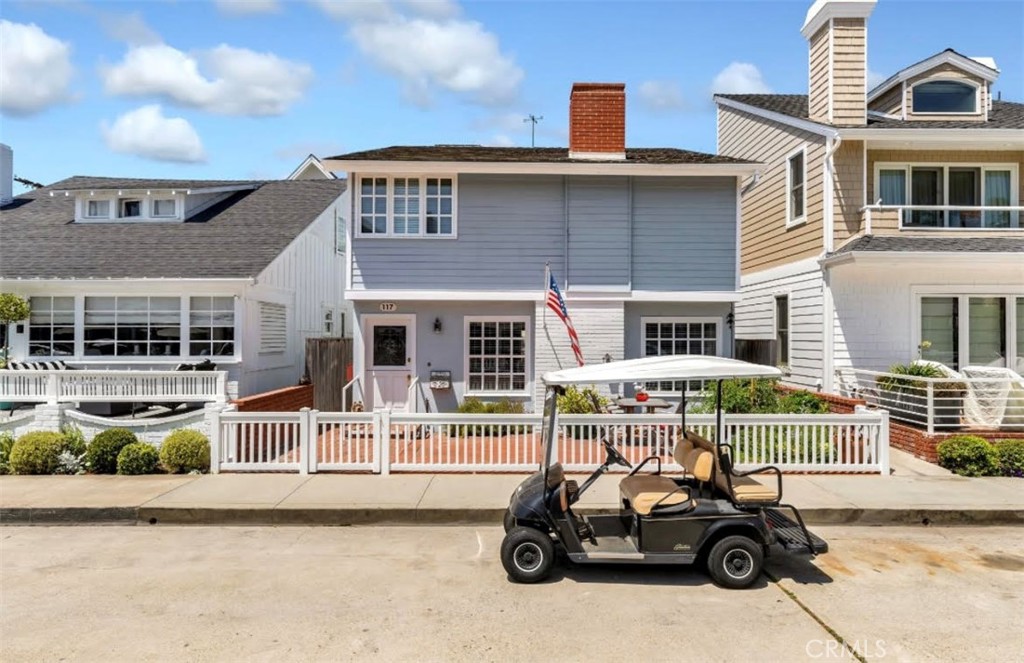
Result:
pixel 103 386
pixel 383 442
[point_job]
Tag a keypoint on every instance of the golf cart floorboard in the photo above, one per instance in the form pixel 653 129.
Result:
pixel 610 544
pixel 791 535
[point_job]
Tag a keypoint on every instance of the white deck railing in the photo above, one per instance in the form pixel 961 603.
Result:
pixel 99 386
pixel 940 404
pixel 961 218
pixel 385 441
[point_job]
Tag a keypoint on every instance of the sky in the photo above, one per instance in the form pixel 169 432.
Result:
pixel 236 89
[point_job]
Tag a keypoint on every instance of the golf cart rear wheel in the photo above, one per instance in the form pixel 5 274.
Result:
pixel 735 562
pixel 527 554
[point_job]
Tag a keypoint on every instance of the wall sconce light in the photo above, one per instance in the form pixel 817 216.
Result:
pixel 437 325
pixel 607 357
pixel 730 319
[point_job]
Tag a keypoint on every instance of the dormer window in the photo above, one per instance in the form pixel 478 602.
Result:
pixel 97 209
pixel 164 207
pixel 945 97
pixel 130 208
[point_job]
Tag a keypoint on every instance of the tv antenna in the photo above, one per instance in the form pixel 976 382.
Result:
pixel 533 120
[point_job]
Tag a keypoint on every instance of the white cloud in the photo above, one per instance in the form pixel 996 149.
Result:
pixel 875 79
pixel 145 132
pixel 35 69
pixel 237 81
pixel 427 47
pixel 129 28
pixel 740 78
pixel 459 56
pixel 662 96
pixel 501 140
pixel 246 7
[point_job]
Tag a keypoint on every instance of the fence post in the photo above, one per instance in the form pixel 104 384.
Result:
pixel 930 405
pixel 382 436
pixel 304 440
pixel 883 443
pixel 312 441
pixel 52 388
pixel 215 441
pixel 222 387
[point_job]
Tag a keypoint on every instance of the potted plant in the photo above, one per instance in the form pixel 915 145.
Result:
pixel 12 309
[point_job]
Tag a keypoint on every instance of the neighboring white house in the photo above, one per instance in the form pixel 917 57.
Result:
pixel 149 274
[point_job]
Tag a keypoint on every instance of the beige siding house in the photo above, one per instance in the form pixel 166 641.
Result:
pixel 884 217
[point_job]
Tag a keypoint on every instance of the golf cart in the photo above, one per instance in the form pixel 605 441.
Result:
pixel 712 514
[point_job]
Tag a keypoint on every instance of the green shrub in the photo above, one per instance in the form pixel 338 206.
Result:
pixel 138 458
pixel 74 439
pixel 37 452
pixel 580 401
pixel 101 455
pixel 802 402
pixel 904 374
pixel 473 405
pixel 1011 457
pixel 6 442
pixel 185 450
pixel 759 396
pixel 969 456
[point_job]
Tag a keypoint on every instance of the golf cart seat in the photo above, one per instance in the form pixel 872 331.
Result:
pixel 648 492
pixel 740 489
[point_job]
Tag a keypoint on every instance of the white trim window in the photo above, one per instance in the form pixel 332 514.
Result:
pixel 414 206
pixel 164 208
pixel 975 329
pixel 497 356
pixel 945 97
pixel 132 326
pixel 796 187
pixel 211 326
pixel 97 209
pixel 782 331
pixel 51 327
pixel 131 207
pixel 958 186
pixel 663 336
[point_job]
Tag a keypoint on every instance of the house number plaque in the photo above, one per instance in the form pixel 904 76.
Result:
pixel 388 307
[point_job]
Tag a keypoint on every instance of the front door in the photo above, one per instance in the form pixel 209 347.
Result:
pixel 390 360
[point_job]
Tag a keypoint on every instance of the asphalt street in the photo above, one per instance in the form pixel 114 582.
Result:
pixel 439 594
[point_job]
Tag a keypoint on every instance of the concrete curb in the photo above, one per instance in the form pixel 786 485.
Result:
pixel 343 516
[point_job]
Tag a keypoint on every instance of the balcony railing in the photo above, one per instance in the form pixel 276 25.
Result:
pixel 942 217
pixel 102 386
pixel 940 404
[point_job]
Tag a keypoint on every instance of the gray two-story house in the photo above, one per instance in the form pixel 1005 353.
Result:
pixel 449 244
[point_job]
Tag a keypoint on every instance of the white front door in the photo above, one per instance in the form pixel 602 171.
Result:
pixel 390 342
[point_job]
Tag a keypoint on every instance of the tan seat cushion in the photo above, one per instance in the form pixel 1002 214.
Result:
pixel 681 451
pixel 745 489
pixel 645 490
pixel 699 463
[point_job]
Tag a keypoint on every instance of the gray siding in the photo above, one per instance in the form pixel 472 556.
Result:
pixel 599 209
pixel 684 233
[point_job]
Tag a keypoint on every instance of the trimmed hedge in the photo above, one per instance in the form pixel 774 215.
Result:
pixel 184 451
pixel 37 452
pixel 1011 457
pixel 101 455
pixel 969 456
pixel 138 458
pixel 6 444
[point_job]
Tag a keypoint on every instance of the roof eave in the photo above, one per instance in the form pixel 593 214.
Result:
pixel 945 57
pixel 797 122
pixel 541 167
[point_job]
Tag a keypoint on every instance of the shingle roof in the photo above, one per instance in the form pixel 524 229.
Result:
pixel 877 243
pixel 1004 114
pixel 478 153
pixel 235 238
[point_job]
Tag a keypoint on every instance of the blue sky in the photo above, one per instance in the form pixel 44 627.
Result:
pixel 246 88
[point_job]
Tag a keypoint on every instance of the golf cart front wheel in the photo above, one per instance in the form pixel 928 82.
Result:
pixel 527 554
pixel 509 521
pixel 735 562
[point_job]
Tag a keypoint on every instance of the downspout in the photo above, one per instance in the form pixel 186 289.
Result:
pixel 831 147
pixel 828 305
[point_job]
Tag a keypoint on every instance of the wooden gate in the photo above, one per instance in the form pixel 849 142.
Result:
pixel 329 368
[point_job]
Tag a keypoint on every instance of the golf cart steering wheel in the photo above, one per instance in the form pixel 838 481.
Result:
pixel 613 454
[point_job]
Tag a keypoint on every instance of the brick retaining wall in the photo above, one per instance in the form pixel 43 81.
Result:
pixel 289 399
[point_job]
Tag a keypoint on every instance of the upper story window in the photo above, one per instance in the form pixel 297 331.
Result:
pixel 130 208
pixel 97 209
pixel 950 195
pixel 105 206
pixel 165 207
pixel 796 184
pixel 407 206
pixel 945 97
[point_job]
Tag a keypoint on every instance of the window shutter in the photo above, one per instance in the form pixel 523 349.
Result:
pixel 273 328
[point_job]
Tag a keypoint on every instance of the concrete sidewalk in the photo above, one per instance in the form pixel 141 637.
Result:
pixel 916 493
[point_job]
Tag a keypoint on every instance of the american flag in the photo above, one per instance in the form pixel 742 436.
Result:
pixel 557 304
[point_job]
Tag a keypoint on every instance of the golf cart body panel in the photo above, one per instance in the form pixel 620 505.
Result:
pixel 712 512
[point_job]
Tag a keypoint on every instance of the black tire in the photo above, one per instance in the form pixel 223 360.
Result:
pixel 527 554
pixel 509 521
pixel 735 562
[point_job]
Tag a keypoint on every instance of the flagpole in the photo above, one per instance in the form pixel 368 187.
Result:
pixel 544 297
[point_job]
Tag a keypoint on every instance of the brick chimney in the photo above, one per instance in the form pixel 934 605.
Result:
pixel 837 34
pixel 597 121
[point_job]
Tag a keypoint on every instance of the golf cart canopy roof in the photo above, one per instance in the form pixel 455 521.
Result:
pixel 654 369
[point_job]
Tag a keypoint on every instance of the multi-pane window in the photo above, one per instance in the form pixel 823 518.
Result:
pixel 678 336
pixel 51 327
pixel 945 97
pixel 407 206
pixel 992 334
pixel 211 326
pixel 795 177
pixel 782 330
pixel 496 355
pixel 132 326
pixel 373 205
pixel 963 188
